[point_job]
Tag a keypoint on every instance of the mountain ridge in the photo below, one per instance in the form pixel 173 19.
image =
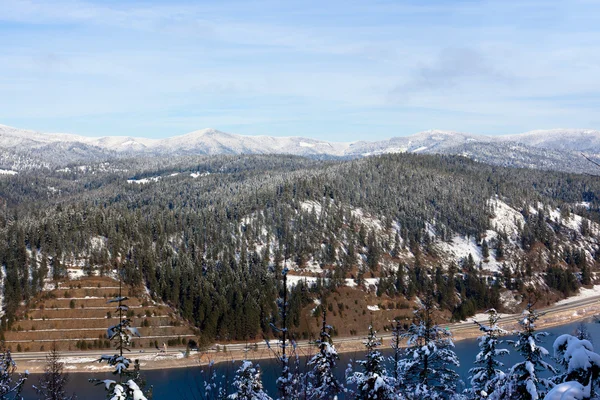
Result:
pixel 547 149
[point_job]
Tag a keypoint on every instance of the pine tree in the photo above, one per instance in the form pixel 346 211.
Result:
pixel 9 388
pixel 248 384
pixel 586 278
pixel 522 381
pixel 288 381
pixel 395 359
pixel 485 249
pixel 373 381
pixel 485 377
pixel 426 371
pixel 121 334
pixel 52 384
pixel 322 383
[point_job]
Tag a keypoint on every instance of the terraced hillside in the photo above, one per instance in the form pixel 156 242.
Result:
pixel 75 314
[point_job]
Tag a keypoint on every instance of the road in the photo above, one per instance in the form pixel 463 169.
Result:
pixel 456 328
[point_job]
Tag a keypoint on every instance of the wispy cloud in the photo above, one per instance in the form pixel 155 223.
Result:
pixel 310 68
pixel 451 68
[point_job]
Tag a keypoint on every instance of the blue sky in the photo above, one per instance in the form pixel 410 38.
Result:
pixel 334 70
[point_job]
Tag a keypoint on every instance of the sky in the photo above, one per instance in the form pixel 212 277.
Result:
pixel 331 70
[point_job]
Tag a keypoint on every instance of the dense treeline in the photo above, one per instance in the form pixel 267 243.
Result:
pixel 213 246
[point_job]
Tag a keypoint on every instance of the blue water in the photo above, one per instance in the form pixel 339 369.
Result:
pixel 187 383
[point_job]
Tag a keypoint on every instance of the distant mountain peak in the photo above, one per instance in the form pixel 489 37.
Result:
pixel 206 132
pixel 547 149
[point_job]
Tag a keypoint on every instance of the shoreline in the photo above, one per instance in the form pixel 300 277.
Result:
pixel 87 363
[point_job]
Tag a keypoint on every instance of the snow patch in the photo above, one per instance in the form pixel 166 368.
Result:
pixel 310 205
pixel 144 180
pixel 293 280
pixel 583 294
pixel 199 174
pixel 505 218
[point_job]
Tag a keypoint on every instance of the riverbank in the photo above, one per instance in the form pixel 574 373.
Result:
pixel 562 313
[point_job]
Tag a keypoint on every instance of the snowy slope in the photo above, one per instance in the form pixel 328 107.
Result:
pixel 585 140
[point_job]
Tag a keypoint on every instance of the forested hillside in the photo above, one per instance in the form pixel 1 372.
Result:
pixel 210 235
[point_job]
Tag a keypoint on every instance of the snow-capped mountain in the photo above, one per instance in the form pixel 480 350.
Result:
pixel 550 149
pixel 585 140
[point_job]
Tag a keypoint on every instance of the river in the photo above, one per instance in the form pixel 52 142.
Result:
pixel 185 383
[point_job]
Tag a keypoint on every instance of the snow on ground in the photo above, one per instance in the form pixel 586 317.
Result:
pixel 305 144
pixel 505 218
pixel 460 247
pixel 293 280
pixel 350 282
pixel 312 266
pixel 480 317
pixel 585 204
pixel 310 205
pixel 366 220
pixel 583 294
pixel 420 149
pixel 7 172
pixel 572 222
pixel 75 273
pixel 387 150
pixel 199 174
pixel 372 282
pixel 76 360
pixel 144 180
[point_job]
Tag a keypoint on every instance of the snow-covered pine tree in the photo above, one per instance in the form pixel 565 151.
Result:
pixel 322 383
pixel 372 382
pixel 52 384
pixel 248 384
pixel 569 391
pixel 426 370
pixel 522 381
pixel 581 363
pixel 487 374
pixel 8 387
pixel 121 334
pixel 395 359
pixel 288 381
